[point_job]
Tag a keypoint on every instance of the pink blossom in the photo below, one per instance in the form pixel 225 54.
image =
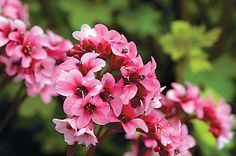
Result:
pixel 186 98
pixel 223 112
pixel 92 109
pixel 85 136
pixel 32 47
pixel 10 68
pixel 14 9
pixel 5 29
pixel 57 45
pixel 88 63
pixel 158 127
pixel 111 93
pixel 68 128
pixel 16 37
pixel 154 102
pixel 85 33
pixel 181 141
pixel 47 93
pixel 136 72
pixel 220 120
pixel 129 122
pixel 75 88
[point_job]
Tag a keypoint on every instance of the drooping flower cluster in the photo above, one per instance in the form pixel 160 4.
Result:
pixel 14 9
pixel 105 81
pixel 188 100
pixel 31 56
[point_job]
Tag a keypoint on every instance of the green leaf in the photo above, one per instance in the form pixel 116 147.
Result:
pixel 184 40
pixel 141 21
pixel 219 78
pixel 206 140
pixel 199 64
pixel 34 105
pixel 211 37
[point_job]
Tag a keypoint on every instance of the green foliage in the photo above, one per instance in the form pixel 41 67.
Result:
pixel 206 140
pixel 34 106
pixel 218 80
pixel 144 20
pixel 189 43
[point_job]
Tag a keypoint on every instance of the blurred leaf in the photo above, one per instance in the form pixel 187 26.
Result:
pixel 184 40
pixel 34 105
pixel 206 140
pixel 140 21
pixel 89 12
pixel 211 37
pixel 219 78
pixel 52 143
pixel 199 64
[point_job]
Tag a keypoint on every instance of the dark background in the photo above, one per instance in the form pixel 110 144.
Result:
pixel 200 48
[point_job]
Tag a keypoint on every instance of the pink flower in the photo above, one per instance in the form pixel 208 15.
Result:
pixel 220 120
pixel 75 88
pixel 14 9
pixel 10 68
pixel 223 112
pixel 181 141
pixel 79 49
pixel 5 29
pixel 32 47
pixel 154 102
pixel 85 33
pixel 136 72
pixel 44 70
pixel 88 63
pixel 47 93
pixel 129 122
pixel 158 127
pixel 85 136
pixel 92 109
pixel 185 98
pixel 57 45
pixel 111 93
pixel 68 128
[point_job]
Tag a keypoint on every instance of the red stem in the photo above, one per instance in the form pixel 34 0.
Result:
pixel 111 131
pixel 13 108
pixel 71 150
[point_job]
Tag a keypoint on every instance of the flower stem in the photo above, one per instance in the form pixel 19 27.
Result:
pixel 99 130
pixel 71 150
pixel 13 108
pixel 4 83
pixel 111 131
pixel 179 70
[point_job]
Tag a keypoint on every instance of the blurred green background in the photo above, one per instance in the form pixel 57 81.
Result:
pixel 190 40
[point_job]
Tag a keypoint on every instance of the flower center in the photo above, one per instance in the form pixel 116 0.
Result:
pixel 68 126
pixel 124 118
pixel 106 95
pixel 135 77
pixel 81 91
pixel 81 68
pixel 90 108
pixel 160 128
pixel 28 49
pixel 136 102
pixel 176 151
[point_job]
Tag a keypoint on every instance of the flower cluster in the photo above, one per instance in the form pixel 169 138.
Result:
pixel 187 100
pixel 31 56
pixel 14 9
pixel 105 82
